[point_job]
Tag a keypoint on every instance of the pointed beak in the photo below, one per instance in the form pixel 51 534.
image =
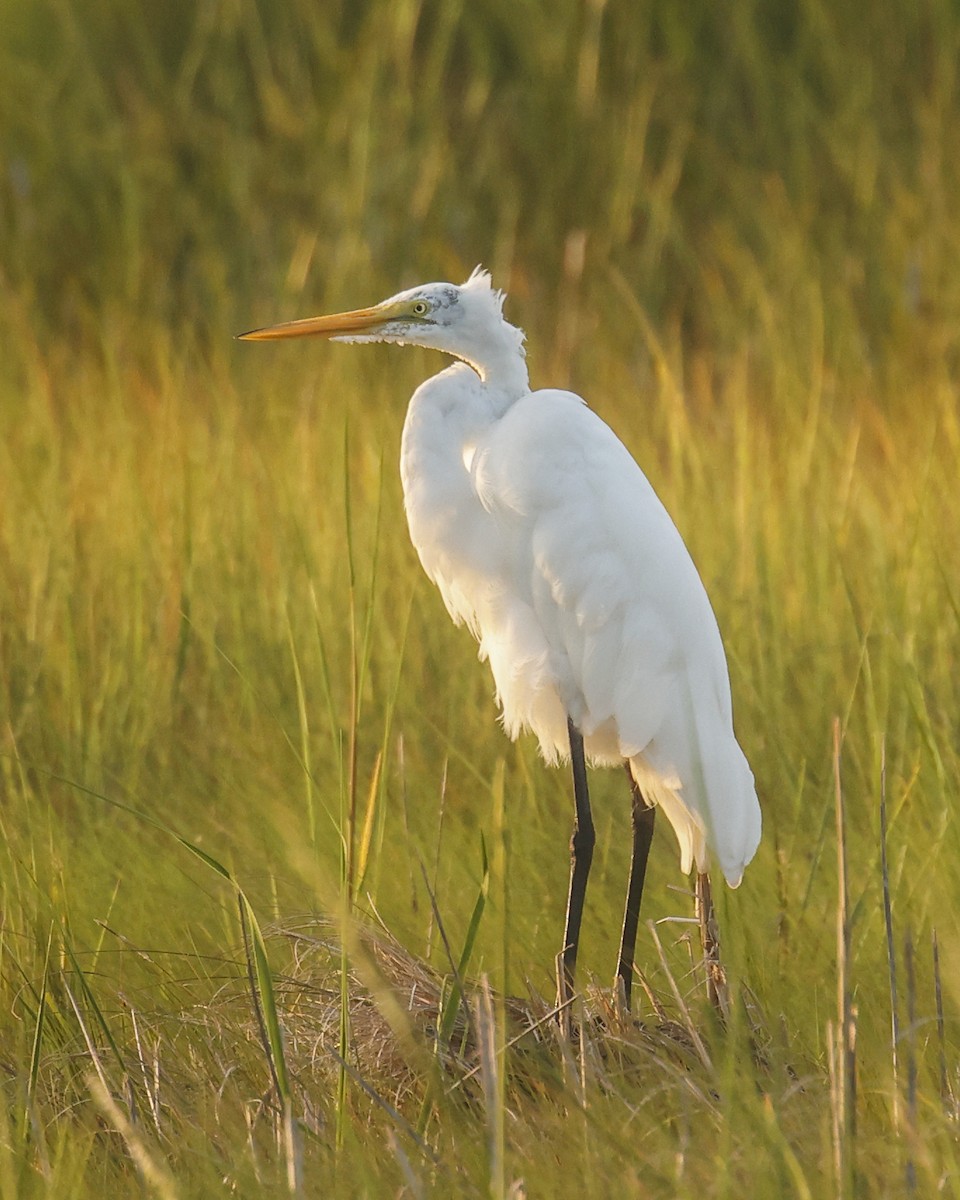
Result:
pixel 339 324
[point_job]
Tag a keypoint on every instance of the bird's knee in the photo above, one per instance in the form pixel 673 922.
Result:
pixel 582 841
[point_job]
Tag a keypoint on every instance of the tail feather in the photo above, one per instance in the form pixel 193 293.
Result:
pixel 711 803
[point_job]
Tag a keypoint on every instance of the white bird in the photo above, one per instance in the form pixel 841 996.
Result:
pixel 547 540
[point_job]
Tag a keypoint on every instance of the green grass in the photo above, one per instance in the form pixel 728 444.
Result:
pixel 736 233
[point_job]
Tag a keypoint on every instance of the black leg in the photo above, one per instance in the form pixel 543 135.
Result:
pixel 643 815
pixel 581 854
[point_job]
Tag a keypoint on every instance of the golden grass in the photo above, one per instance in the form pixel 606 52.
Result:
pixel 736 233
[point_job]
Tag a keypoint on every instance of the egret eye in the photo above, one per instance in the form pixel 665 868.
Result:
pixel 421 308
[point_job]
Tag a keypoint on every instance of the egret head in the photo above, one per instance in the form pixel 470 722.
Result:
pixel 465 320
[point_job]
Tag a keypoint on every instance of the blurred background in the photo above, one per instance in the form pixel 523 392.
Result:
pixel 759 171
pixel 734 228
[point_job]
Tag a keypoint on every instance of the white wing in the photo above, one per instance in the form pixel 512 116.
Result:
pixel 597 610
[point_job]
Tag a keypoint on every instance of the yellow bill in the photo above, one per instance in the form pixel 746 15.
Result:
pixel 358 321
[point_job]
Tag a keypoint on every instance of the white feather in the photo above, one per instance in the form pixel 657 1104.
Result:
pixel 547 540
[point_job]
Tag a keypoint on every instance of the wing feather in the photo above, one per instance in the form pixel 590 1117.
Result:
pixel 599 595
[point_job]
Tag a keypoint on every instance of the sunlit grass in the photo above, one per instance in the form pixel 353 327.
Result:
pixel 739 240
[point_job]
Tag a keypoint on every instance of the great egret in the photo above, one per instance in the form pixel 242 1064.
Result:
pixel 547 540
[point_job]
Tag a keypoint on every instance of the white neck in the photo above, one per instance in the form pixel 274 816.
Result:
pixel 498 357
pixel 503 368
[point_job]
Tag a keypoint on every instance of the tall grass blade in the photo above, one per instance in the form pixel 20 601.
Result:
pixel 155 1173
pixel 348 813
pixel 304 720
pixel 911 1116
pixel 151 1087
pixel 834 1075
pixel 92 1005
pixel 441 813
pixel 945 1097
pixel 846 1029
pixel 454 1000
pixel 891 950
pixel 492 1083
pixel 263 998
pixel 369 820
pixel 38 1029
